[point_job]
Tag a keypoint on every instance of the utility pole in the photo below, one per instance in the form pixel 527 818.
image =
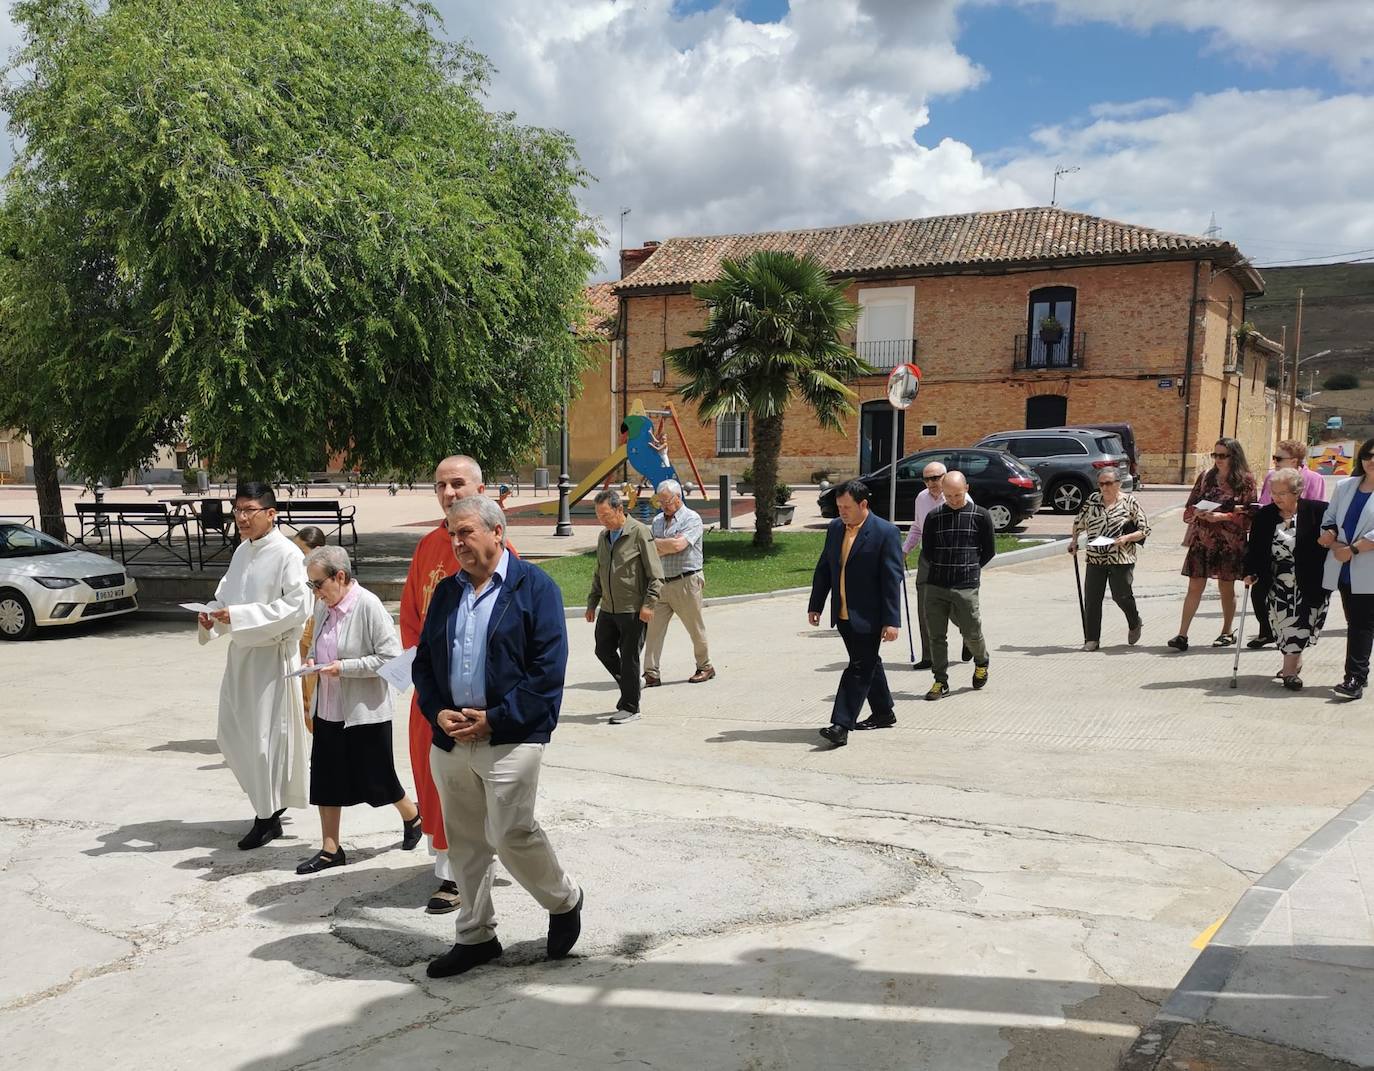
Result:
pixel 623 213
pixel 1297 360
pixel 1283 381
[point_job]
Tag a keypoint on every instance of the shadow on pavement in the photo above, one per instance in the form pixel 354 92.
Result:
pixel 769 1007
pixel 189 747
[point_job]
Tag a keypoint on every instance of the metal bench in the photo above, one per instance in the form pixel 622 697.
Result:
pixel 327 515
pixel 154 521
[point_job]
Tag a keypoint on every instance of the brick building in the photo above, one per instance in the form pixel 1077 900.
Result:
pixel 1148 320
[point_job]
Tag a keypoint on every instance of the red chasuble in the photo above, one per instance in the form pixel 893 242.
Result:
pixel 433 561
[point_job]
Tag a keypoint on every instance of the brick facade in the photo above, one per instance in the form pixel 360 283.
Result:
pixel 1134 321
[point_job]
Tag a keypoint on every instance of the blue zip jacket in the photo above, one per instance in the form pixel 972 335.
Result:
pixel 527 657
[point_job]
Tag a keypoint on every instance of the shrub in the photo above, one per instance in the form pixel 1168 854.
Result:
pixel 747 476
pixel 781 493
pixel 1341 381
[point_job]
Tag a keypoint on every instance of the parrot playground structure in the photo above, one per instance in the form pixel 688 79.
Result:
pixel 646 452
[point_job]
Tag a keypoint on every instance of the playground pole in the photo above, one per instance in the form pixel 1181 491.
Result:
pixel 564 526
pixel 686 449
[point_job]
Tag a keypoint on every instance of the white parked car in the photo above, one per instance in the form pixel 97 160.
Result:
pixel 45 582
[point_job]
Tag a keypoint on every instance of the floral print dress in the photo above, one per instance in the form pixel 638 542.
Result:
pixel 1217 548
pixel 1296 624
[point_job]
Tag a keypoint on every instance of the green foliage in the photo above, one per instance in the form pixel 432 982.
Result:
pixel 771 336
pixel 747 475
pixel 279 230
pixel 1341 381
pixel 781 494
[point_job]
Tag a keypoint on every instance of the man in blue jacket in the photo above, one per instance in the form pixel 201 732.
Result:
pixel 861 571
pixel 488 672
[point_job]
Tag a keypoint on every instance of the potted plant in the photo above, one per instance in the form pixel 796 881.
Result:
pixel 782 508
pixel 1051 330
pixel 746 481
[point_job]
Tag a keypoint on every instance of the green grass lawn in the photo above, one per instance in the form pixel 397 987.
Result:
pixel 733 565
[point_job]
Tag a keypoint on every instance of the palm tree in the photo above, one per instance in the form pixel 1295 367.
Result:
pixel 772 334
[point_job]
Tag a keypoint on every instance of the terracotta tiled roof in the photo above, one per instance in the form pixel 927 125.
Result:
pixel 1015 236
pixel 605 308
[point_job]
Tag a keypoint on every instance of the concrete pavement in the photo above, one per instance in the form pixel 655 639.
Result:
pixel 1011 878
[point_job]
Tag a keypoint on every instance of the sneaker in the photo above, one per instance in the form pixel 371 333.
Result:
pixel 624 717
pixel 1090 645
pixel 980 676
pixel 1133 634
pixel 1349 689
pixel 938 690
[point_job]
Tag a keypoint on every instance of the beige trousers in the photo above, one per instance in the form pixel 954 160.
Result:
pixel 487 794
pixel 681 597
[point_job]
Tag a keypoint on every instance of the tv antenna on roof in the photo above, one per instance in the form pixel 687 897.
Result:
pixel 623 213
pixel 1212 229
pixel 1054 191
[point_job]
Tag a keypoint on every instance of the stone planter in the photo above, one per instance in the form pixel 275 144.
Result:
pixel 783 514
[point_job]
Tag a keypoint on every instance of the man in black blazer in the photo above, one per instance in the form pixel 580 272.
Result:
pixel 861 570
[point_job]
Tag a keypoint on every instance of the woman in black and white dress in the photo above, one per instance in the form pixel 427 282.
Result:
pixel 1283 549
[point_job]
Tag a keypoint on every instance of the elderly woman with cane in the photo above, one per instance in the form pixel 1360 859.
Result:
pixel 350 755
pixel 1284 557
pixel 1115 525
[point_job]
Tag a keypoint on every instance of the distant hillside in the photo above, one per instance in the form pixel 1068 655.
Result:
pixel 1337 315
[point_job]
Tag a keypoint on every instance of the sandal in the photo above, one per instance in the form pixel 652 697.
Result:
pixel 322 860
pixel 1293 683
pixel 1179 643
pixel 411 832
pixel 1226 639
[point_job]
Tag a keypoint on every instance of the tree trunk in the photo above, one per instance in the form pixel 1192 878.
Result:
pixel 767 447
pixel 49 490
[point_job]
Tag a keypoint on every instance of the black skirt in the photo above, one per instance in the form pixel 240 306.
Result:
pixel 351 766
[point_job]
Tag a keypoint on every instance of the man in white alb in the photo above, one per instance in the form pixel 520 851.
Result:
pixel 262 605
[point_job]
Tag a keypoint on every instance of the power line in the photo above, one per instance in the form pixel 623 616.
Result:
pixel 1324 256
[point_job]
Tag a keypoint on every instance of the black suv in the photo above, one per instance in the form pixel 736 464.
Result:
pixel 998 482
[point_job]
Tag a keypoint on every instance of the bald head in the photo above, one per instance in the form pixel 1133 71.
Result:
pixel 955 488
pixel 457 476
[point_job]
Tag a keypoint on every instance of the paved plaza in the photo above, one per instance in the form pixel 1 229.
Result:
pixel 1014 878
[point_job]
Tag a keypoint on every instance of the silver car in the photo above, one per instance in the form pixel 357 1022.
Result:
pixel 1067 460
pixel 45 582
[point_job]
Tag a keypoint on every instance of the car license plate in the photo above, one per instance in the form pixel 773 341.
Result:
pixel 109 594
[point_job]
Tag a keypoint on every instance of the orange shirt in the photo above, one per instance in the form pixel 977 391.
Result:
pixel 849 536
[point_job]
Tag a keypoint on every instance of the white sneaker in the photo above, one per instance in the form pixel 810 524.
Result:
pixel 623 716
pixel 1091 645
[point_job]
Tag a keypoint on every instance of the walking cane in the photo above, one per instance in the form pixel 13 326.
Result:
pixel 1082 612
pixel 906 598
pixel 1240 636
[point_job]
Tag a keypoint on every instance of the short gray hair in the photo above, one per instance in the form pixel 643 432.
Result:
pixel 1289 479
pixel 671 486
pixel 331 559
pixel 488 512
pixel 610 497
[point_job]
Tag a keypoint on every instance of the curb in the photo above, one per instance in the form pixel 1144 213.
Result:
pixel 1194 997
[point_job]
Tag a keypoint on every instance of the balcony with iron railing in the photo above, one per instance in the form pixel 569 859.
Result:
pixel 1031 353
pixel 886 354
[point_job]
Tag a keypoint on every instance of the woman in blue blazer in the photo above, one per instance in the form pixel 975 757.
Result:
pixel 1347 527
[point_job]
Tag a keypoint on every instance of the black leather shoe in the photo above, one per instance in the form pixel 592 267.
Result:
pixel 837 735
pixel 564 930
pixel 411 833
pixel 924 663
pixel 264 829
pixel 462 958
pixel 1260 641
pixel 878 721
pixel 322 860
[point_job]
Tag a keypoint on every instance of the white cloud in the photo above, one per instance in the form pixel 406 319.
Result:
pixel 1285 171
pixel 707 123
pixel 1341 31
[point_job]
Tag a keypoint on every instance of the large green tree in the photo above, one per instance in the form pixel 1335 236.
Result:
pixel 772 336
pixel 278 230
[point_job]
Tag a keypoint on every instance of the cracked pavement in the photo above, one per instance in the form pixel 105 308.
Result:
pixel 1007 879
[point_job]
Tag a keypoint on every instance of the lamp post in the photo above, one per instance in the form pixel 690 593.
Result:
pixel 564 526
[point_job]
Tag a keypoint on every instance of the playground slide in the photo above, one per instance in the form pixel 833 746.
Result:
pixel 588 485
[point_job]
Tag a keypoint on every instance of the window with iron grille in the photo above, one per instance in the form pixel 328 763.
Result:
pixel 732 433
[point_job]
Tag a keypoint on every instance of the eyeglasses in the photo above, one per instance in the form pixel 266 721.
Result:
pixel 932 479
pixel 315 585
pixel 250 511
pixel 1107 483
pixel 1220 457
pixel 1280 457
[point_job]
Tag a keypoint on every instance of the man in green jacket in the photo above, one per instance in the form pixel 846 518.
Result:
pixel 626 586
